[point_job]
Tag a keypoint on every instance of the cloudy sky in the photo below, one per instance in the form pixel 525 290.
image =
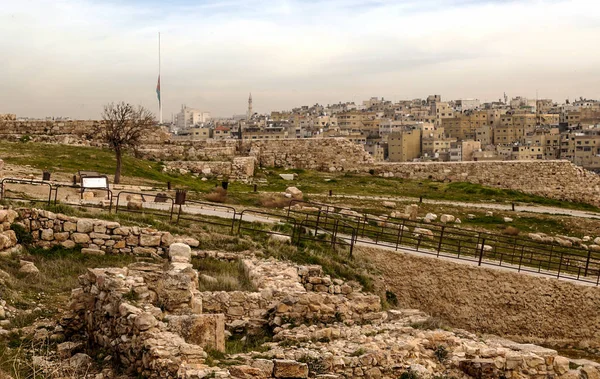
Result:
pixel 69 57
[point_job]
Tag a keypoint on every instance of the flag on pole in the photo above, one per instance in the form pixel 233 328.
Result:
pixel 158 89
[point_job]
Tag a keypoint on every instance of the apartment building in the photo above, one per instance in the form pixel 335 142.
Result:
pixel 404 146
pixel 441 110
pixel 465 126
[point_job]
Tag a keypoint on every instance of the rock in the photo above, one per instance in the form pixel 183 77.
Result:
pixel 80 362
pixel 145 321
pixel 587 239
pixel 561 365
pixel 289 369
pixel 28 268
pixel 590 372
pixel 85 226
pixel 287 176
pixel 507 219
pixel 246 372
pixel 295 192
pixel 87 251
pixel 67 349
pixel 423 232
pixel 471 216
pixel 431 216
pixel 489 214
pixel 180 252
pixel 597 240
pixel 150 240
pixel 536 237
pixel 80 238
pixel 485 247
pixel 208 278
pixel 280 238
pixel 447 218
pixel 412 211
pixel 389 204
pixel 457 221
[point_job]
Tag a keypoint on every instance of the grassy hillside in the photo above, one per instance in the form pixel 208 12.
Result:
pixel 69 159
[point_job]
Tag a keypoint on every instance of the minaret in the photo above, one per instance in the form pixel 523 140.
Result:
pixel 249 115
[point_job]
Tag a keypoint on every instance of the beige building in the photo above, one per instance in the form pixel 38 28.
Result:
pixel 441 110
pixel 465 126
pixel 404 146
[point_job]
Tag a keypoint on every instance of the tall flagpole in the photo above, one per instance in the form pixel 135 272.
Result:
pixel 160 98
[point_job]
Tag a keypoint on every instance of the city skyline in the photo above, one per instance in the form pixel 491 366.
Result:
pixel 68 58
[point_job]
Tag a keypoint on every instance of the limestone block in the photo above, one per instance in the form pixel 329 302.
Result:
pixel 246 372
pixel 70 226
pixel 294 192
pixel 389 204
pixel 28 267
pixel 289 369
pixel 47 235
pixel 205 330
pixel 80 238
pixel 145 321
pixel 445 218
pixel 280 238
pixel 150 239
pixel 92 251
pixel 179 252
pixel 85 226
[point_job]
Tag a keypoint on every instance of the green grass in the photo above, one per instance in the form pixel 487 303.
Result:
pixel 69 159
pixel 230 276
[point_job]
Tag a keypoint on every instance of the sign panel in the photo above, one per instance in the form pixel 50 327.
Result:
pixel 94 182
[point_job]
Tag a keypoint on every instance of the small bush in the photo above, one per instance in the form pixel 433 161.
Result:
pixel 410 374
pixel 316 365
pixel 441 353
pixel 511 231
pixel 274 201
pixel 218 195
pixel 372 171
pixel 23 236
pixel 391 298
pixel 24 139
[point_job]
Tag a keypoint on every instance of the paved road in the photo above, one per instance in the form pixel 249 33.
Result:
pixel 504 207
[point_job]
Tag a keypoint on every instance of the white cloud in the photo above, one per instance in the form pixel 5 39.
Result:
pixel 68 57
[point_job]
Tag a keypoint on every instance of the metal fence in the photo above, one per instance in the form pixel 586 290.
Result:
pixel 342 227
pixel 561 260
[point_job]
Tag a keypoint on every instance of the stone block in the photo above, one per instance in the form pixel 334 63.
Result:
pixel 150 239
pixel 180 252
pixel 205 330
pixel 92 252
pixel 47 235
pixel 284 368
pixel 85 226
pixel 80 238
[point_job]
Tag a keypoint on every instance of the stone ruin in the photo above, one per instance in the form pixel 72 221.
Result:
pixel 151 318
pixel 155 321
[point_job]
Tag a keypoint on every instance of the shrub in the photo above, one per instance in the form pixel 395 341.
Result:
pixel 274 201
pixel 372 171
pixel 410 374
pixel 431 323
pixel 391 298
pixel 218 195
pixel 511 231
pixel 24 139
pixel 23 236
pixel 441 353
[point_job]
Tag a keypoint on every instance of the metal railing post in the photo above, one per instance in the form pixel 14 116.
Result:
pixel 587 263
pixel 481 252
pixel 440 243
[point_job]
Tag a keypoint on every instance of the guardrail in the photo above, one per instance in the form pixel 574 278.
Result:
pixel 133 208
pixel 182 215
pixel 346 228
pixel 4 196
pixel 481 248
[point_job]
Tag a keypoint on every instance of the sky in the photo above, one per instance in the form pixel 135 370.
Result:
pixel 70 57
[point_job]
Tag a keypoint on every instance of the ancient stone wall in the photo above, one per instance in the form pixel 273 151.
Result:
pixel 490 300
pixel 240 168
pixel 148 316
pixel 64 132
pixel 560 180
pixel 95 236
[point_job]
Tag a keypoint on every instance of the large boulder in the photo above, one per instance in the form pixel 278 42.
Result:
pixel 447 218
pixel 290 369
pixel 180 252
pixel 294 192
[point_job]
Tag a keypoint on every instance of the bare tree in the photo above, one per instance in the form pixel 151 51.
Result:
pixel 123 128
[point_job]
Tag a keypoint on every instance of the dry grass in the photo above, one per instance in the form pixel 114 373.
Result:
pixel 511 231
pixel 228 276
pixel 274 201
pixel 218 195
